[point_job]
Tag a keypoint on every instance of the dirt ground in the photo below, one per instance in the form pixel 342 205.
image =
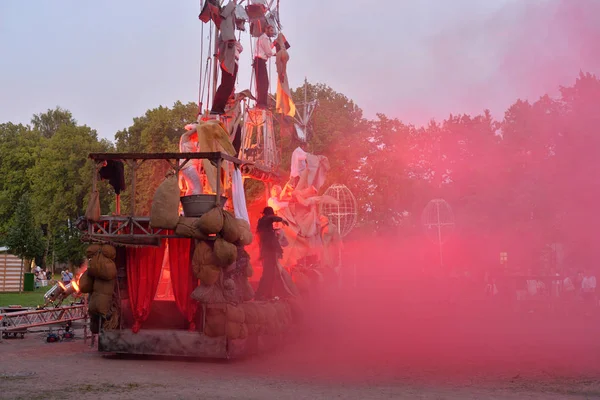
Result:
pixel 528 359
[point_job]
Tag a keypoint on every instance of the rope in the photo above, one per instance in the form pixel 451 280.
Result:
pixel 237 78
pixel 206 76
pixel 210 58
pixel 252 66
pixel 200 81
pixel 270 83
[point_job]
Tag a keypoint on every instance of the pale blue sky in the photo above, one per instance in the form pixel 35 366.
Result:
pixel 109 61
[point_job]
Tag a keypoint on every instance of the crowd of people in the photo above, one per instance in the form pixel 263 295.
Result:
pixel 574 287
pixel 43 276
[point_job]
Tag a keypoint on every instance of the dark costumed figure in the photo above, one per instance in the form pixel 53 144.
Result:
pixel 275 281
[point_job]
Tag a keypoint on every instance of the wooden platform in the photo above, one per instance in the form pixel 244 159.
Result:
pixel 181 343
pixel 162 343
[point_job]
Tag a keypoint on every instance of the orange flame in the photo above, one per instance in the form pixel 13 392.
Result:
pixel 62 286
pixel 75 286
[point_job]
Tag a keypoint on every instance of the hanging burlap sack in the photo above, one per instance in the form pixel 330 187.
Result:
pixel 232 313
pixel 101 297
pixel 92 250
pixel 244 331
pixel 92 213
pixel 250 313
pixel 225 320
pixel 225 253
pixel 86 283
pixel 104 286
pixel 203 254
pixel 102 267
pixel 207 273
pixel 208 294
pixel 212 222
pixel 283 314
pixel 233 330
pixel 109 251
pixel 296 309
pixel 253 329
pixel 165 204
pixel 249 270
pixel 243 289
pixel 230 231
pixel 215 325
pixel 261 311
pixel 272 322
pixel 188 227
pixel 245 232
pixel 260 328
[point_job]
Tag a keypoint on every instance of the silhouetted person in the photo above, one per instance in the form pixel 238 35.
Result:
pixel 270 252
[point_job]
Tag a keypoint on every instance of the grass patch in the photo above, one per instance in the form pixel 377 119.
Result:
pixel 26 299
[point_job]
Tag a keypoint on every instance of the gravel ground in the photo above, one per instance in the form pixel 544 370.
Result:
pixel 460 361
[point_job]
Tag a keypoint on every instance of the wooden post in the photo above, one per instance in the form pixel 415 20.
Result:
pixel 118 204
pixel 134 166
pixel 219 176
pixel 21 276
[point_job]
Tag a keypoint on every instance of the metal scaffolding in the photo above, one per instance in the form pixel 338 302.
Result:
pixel 22 320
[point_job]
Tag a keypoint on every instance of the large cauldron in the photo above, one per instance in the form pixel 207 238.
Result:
pixel 198 204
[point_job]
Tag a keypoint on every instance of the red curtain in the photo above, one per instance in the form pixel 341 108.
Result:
pixel 144 265
pixel 182 277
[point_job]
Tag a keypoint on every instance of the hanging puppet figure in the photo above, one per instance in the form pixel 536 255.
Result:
pixel 284 104
pixel 188 143
pixel 277 201
pixel 229 55
pixel 262 51
pixel 229 50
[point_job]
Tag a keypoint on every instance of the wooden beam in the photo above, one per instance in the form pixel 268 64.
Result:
pixel 213 156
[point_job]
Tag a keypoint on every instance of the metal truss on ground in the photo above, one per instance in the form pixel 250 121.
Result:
pixel 18 321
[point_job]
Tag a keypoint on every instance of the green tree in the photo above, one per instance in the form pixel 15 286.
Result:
pixel 24 237
pixel 19 151
pixel 62 176
pixel 48 123
pixel 68 246
pixel 338 131
pixel 157 131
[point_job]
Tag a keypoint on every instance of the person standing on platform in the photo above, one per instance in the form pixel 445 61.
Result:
pixel 262 51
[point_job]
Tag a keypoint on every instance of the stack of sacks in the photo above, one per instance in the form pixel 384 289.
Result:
pixel 296 308
pixel 272 323
pixel 255 318
pixel 225 320
pixel 213 259
pixel 284 315
pixel 267 318
pixel 201 228
pixel 99 279
pixel 245 232
pixel 245 292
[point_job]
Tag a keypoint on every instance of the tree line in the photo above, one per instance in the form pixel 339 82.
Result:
pixel 531 176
